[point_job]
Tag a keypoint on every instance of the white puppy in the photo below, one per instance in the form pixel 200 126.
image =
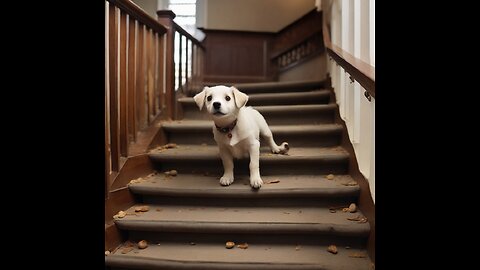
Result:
pixel 237 129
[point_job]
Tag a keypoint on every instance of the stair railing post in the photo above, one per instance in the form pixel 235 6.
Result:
pixel 165 17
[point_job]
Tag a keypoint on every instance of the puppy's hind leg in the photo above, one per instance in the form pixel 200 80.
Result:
pixel 227 160
pixel 268 136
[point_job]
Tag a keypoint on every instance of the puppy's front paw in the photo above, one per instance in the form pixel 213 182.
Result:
pixel 226 180
pixel 256 182
pixel 283 149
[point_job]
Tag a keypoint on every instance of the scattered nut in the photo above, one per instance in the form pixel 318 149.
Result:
pixel 125 250
pixel 136 181
pixel 273 181
pixel 171 173
pixel 352 208
pixel 192 243
pixel 229 244
pixel 166 146
pixel 358 255
pixel 151 175
pixel 332 249
pixel 345 209
pixel 330 177
pixel 107 252
pixel 143 208
pixel 363 220
pixel 142 244
pixel 332 210
pixel 359 218
pixel 297 248
pixel 243 246
pixel 170 145
pixel 120 214
pixel 350 184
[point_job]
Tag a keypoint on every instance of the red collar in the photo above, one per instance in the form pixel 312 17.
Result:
pixel 228 128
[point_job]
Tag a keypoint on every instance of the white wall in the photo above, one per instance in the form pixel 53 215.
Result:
pixel 250 15
pixel 150 6
pixel 353 30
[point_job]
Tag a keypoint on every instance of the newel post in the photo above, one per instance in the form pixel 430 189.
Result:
pixel 165 17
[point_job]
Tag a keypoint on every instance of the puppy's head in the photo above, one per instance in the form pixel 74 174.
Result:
pixel 221 101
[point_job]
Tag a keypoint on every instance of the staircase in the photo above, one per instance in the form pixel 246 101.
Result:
pixel 288 224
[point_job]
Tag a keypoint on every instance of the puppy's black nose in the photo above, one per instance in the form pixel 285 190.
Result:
pixel 216 105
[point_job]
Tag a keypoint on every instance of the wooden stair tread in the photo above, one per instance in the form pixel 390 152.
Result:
pixel 253 219
pixel 198 185
pixel 210 152
pixel 207 255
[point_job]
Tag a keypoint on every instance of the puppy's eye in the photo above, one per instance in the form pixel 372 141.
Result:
pixel 209 98
pixel 227 98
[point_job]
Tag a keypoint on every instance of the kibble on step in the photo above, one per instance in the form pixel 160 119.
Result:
pixel 332 249
pixel 352 208
pixel 120 214
pixel 144 208
pixel 243 246
pixel 171 173
pixel 142 244
pixel 229 244
pixel 330 177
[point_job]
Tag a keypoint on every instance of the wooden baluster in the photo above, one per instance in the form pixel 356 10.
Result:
pixel 123 86
pixel 180 61
pixel 113 68
pixel 166 17
pixel 132 78
pixel 201 64
pixel 161 71
pixel 155 74
pixel 140 91
pixel 186 64
pixel 107 96
pixel 193 66
pixel 150 74
pixel 153 59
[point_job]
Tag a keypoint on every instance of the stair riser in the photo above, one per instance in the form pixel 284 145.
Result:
pixel 241 228
pixel 249 201
pixel 313 139
pixel 173 265
pixel 279 100
pixel 267 167
pixel 275 118
pixel 275 88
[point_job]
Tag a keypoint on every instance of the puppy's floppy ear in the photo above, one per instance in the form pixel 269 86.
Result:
pixel 240 98
pixel 200 98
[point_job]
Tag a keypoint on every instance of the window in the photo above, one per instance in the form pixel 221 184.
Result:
pixel 185 11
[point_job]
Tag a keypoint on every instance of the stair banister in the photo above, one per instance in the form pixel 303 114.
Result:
pixel 360 71
pixel 189 75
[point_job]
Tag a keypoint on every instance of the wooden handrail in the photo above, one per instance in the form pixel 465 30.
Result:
pixel 182 31
pixel 139 14
pixel 359 70
pixel 135 83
